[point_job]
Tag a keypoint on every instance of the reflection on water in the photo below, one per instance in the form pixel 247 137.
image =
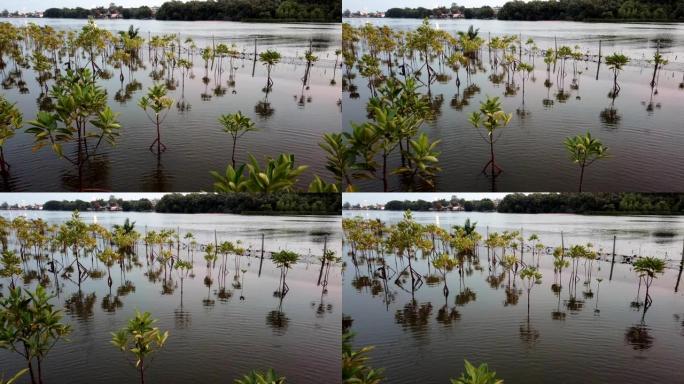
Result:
pixel 580 321
pixel 293 114
pixel 222 315
pixel 547 106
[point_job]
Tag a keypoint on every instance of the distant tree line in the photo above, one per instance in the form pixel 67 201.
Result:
pixel 578 203
pixel 485 12
pixel 584 10
pixel 143 12
pixel 238 203
pixel 297 203
pixel 484 205
pixel 142 205
pixel 233 10
pixel 577 10
pixel 586 203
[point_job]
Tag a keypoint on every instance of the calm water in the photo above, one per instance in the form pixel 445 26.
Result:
pixel 531 150
pixel 196 143
pixel 214 336
pixel 418 339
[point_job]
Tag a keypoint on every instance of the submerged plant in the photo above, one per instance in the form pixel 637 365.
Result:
pixel 80 102
pixel 530 277
pixel 10 121
pixel 615 62
pixel 355 369
pixel 258 377
pixel 649 268
pixel 477 375
pixel 141 339
pixel 236 124
pixel 269 58
pixel 284 260
pixel 491 117
pixel 30 327
pixel 157 101
pixel 584 151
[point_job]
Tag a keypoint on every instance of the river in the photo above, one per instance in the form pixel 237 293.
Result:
pixel 586 333
pixel 221 328
pixel 640 126
pixel 293 121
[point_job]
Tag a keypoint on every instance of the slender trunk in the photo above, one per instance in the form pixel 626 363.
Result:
pixel 233 154
pixel 491 151
pixel 384 171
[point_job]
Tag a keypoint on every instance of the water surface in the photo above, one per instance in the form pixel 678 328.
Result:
pixel 643 130
pixel 298 115
pixel 215 336
pixel 424 336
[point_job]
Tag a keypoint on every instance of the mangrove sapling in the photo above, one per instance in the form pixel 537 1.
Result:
pixel 13 379
pixel 108 257
pixel 406 237
pixel 258 377
pixel 11 266
pixel 30 327
pixel 422 159
pixel 157 101
pixel 236 124
pixel 444 264
pixel 491 117
pixel 10 121
pixel 79 101
pixel 530 276
pixel 477 375
pixel 649 268
pixel 615 62
pixel 355 368
pixel 269 58
pixel 598 289
pixel 658 62
pixel 284 260
pixel 584 151
pixel 141 339
pixel 185 66
pixel 183 269
pixel 525 71
pixel 310 60
pixel 369 67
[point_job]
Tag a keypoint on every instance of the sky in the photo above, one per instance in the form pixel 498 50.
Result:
pixel 40 198
pixel 41 5
pixel 383 5
pixel 381 198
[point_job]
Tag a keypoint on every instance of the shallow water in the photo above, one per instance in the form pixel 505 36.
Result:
pixel 214 336
pixel 195 140
pixel 643 142
pixel 422 341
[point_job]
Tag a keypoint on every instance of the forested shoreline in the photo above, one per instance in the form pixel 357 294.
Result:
pixel 227 10
pixel 570 10
pixel 237 203
pixel 573 203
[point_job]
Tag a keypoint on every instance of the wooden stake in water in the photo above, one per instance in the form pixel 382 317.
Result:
pixel 612 263
pixel 255 57
pixel 598 66
pixel 555 57
pixel 681 266
pixel 325 249
pixel 262 253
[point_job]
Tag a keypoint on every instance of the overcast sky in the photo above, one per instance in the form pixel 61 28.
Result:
pixel 383 5
pixel 40 198
pixel 41 5
pixel 381 198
